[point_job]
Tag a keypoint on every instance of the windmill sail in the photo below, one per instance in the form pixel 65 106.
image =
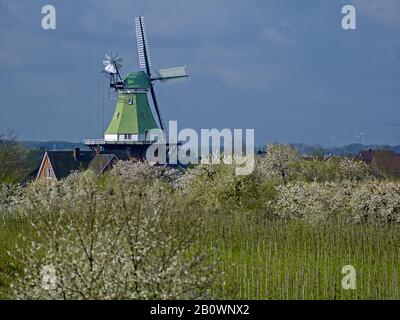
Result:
pixel 142 44
pixel 172 73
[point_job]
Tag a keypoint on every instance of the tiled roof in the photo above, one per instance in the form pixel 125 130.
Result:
pixel 63 162
pixel 120 154
pixel 100 162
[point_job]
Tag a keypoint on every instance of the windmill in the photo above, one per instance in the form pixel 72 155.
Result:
pixel 133 117
pixel 141 81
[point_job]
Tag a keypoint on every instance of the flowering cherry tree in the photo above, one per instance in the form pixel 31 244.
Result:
pixel 111 240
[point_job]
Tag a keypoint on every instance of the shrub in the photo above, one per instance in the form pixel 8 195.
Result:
pixel 352 201
pixel 333 169
pixel 376 201
pixel 218 189
pixel 277 163
pixel 130 172
pixel 315 202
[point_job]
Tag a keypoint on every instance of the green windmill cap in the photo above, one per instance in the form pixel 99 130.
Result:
pixel 137 80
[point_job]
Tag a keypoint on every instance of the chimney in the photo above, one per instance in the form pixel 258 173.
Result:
pixel 77 153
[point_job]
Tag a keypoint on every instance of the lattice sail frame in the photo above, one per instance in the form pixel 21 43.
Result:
pixel 142 43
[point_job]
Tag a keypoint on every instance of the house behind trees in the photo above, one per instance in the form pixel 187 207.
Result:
pixel 57 165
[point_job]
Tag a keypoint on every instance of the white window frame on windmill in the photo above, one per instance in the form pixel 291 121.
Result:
pixel 127 137
pixel 134 90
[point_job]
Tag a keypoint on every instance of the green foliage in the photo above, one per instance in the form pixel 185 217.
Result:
pixel 11 158
pixel 16 162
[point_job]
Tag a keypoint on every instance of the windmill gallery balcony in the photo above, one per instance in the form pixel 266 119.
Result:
pixel 101 142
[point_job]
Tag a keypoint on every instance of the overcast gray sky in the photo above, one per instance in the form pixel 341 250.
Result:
pixel 283 67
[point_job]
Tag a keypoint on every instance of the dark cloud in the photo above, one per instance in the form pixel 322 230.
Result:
pixel 285 68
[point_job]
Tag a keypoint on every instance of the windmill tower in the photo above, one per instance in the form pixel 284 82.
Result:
pixel 133 117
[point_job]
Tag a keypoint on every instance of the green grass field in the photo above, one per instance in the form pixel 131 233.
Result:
pixel 277 260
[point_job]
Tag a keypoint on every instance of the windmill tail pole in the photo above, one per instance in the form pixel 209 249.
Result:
pixel 118 74
pixel 153 95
